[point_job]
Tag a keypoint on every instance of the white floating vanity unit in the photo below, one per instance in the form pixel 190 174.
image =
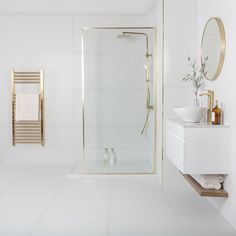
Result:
pixel 198 148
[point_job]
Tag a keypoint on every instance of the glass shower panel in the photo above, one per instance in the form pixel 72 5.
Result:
pixel 118 99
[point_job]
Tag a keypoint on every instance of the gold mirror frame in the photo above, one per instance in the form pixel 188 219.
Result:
pixel 222 46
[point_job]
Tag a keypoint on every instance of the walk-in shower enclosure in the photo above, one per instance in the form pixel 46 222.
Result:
pixel 119 100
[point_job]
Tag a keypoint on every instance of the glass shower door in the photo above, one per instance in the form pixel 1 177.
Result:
pixel 119 100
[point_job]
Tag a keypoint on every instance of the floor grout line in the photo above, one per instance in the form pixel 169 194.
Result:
pixel 109 207
pixel 173 211
pixel 122 183
pixel 48 205
pixel 77 212
pixel 12 181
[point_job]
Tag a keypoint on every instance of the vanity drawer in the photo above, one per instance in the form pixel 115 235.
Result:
pixel 207 151
pixel 198 149
pixel 175 149
pixel 175 128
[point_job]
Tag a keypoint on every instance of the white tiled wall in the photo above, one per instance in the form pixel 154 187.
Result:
pixel 180 42
pixel 53 43
pixel 107 80
pixel 101 108
pixel 225 88
pixel 31 43
pixel 37 33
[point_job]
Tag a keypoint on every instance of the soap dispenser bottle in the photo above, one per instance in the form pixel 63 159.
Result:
pixel 216 115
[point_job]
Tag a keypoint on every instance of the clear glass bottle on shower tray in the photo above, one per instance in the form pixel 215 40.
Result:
pixel 106 157
pixel 113 158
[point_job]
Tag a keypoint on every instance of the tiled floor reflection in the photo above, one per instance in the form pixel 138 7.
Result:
pixel 46 200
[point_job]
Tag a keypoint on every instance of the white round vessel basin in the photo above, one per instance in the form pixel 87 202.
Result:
pixel 190 114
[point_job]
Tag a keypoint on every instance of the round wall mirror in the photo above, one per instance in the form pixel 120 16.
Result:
pixel 213 48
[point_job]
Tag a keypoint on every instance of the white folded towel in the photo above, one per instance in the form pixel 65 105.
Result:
pixel 27 107
pixel 209 181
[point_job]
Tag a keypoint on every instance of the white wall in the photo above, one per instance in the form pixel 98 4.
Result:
pixel 30 43
pixel 180 42
pixel 51 42
pixel 225 88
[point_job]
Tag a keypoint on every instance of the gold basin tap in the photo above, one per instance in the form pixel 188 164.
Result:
pixel 210 102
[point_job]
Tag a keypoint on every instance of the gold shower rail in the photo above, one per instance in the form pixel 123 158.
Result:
pixel 28 132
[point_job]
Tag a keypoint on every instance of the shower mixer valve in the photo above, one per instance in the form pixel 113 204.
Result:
pixel 151 107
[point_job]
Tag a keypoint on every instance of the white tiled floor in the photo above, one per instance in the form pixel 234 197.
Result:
pixel 44 200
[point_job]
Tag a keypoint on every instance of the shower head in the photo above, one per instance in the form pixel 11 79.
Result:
pixel 124 35
pixel 130 34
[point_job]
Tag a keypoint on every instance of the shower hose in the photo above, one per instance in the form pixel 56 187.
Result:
pixel 148 101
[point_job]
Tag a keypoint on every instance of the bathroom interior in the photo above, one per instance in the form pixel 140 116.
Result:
pixel 117 118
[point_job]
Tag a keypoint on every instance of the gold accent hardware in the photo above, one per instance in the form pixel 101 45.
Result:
pixel 148 55
pixel 210 101
pixel 151 107
pixel 221 48
pixel 28 132
pixel 146 67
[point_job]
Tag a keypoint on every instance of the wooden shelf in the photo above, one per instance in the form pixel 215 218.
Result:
pixel 205 192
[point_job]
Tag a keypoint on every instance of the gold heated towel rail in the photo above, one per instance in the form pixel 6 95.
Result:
pixel 28 132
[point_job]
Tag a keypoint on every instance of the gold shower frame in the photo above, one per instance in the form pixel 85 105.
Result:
pixel 28 132
pixel 154 171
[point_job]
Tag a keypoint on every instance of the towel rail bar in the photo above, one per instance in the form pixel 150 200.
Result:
pixel 27 82
pixel 28 132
